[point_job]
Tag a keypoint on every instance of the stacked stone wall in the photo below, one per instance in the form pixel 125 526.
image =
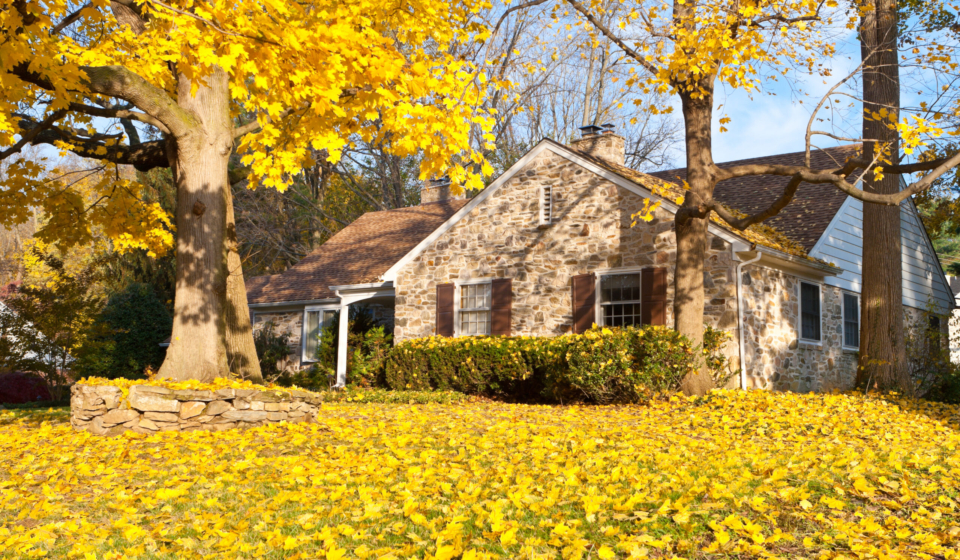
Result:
pixel 103 410
pixel 592 231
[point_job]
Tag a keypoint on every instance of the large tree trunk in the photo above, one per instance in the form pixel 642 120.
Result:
pixel 882 345
pixel 197 346
pixel 241 350
pixel 692 234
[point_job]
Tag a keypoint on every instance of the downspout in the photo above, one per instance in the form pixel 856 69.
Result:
pixel 742 328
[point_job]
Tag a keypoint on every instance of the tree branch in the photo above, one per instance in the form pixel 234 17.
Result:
pixel 610 35
pixel 119 114
pixel 28 136
pixel 119 82
pixel 742 223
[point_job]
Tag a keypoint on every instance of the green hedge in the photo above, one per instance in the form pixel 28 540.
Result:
pixel 603 366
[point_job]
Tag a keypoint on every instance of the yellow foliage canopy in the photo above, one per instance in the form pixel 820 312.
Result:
pixel 311 74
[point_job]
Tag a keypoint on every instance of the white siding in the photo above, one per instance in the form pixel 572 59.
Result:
pixel 842 244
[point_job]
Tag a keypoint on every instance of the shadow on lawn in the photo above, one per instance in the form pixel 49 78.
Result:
pixel 35 416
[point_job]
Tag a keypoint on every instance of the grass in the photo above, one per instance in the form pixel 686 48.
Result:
pixel 733 475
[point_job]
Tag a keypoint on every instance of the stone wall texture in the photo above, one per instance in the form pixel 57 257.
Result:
pixel 775 356
pixel 103 410
pixel 591 232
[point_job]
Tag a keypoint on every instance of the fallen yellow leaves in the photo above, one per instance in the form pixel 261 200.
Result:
pixel 738 474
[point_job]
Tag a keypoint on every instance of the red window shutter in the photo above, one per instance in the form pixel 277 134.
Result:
pixel 501 291
pixel 584 302
pixel 653 298
pixel 445 309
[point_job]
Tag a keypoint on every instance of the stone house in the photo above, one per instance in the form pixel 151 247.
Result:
pixel 551 246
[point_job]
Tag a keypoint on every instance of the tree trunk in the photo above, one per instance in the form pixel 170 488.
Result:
pixel 241 350
pixel 882 346
pixel 197 346
pixel 692 234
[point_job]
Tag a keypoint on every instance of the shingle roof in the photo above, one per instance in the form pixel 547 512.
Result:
pixel 357 254
pixel 809 213
pixel 762 234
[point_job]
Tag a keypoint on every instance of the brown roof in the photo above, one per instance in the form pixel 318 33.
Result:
pixel 809 213
pixel 762 234
pixel 357 254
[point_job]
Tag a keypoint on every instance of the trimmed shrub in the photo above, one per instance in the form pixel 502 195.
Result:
pixel 604 366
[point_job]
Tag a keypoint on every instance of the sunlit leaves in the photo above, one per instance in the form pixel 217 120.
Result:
pixel 737 474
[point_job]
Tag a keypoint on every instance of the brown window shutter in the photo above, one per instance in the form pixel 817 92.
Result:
pixel 501 291
pixel 445 309
pixel 584 302
pixel 653 298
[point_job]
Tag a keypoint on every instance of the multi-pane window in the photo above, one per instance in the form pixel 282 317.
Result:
pixel 620 299
pixel 475 309
pixel 851 321
pixel 314 322
pixel 810 312
pixel 546 205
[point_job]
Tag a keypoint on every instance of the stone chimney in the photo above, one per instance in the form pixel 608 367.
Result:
pixel 601 142
pixel 438 190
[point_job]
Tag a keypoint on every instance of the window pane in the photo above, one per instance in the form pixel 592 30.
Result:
pixel 810 311
pixel 312 335
pixel 474 322
pixel 851 320
pixel 620 287
pixel 621 314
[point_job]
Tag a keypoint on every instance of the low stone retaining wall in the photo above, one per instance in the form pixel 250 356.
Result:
pixel 102 409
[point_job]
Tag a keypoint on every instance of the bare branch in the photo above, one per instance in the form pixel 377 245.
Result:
pixel 610 35
pixel 742 223
pixel 508 11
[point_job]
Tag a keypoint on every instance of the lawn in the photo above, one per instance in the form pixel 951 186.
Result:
pixel 736 475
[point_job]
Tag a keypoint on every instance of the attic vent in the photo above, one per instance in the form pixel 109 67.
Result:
pixel 546 205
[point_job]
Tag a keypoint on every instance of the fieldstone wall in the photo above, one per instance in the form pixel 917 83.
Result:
pixel 775 357
pixel 102 410
pixel 591 232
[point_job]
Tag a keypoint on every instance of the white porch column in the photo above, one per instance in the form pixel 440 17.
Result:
pixel 342 346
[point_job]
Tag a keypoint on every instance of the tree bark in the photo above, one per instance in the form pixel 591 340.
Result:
pixel 241 350
pixel 692 232
pixel 882 345
pixel 197 346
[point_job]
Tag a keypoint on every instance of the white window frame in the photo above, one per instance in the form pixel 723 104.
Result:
pixel 598 308
pixel 303 327
pixel 546 214
pixel 843 319
pixel 800 338
pixel 456 304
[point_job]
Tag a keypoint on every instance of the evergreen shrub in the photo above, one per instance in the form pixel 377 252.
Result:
pixel 604 366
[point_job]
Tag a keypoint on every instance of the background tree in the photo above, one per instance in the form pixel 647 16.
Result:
pixel 311 75
pixel 41 326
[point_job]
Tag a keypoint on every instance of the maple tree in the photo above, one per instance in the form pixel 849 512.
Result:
pixel 184 83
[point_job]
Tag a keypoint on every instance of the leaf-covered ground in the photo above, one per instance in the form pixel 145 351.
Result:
pixel 736 475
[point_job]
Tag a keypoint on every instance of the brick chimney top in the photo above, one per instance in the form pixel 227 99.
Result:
pixel 601 142
pixel 437 190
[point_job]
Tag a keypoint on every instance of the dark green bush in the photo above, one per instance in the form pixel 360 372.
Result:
pixel 601 366
pixel 130 329
pixel 273 351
